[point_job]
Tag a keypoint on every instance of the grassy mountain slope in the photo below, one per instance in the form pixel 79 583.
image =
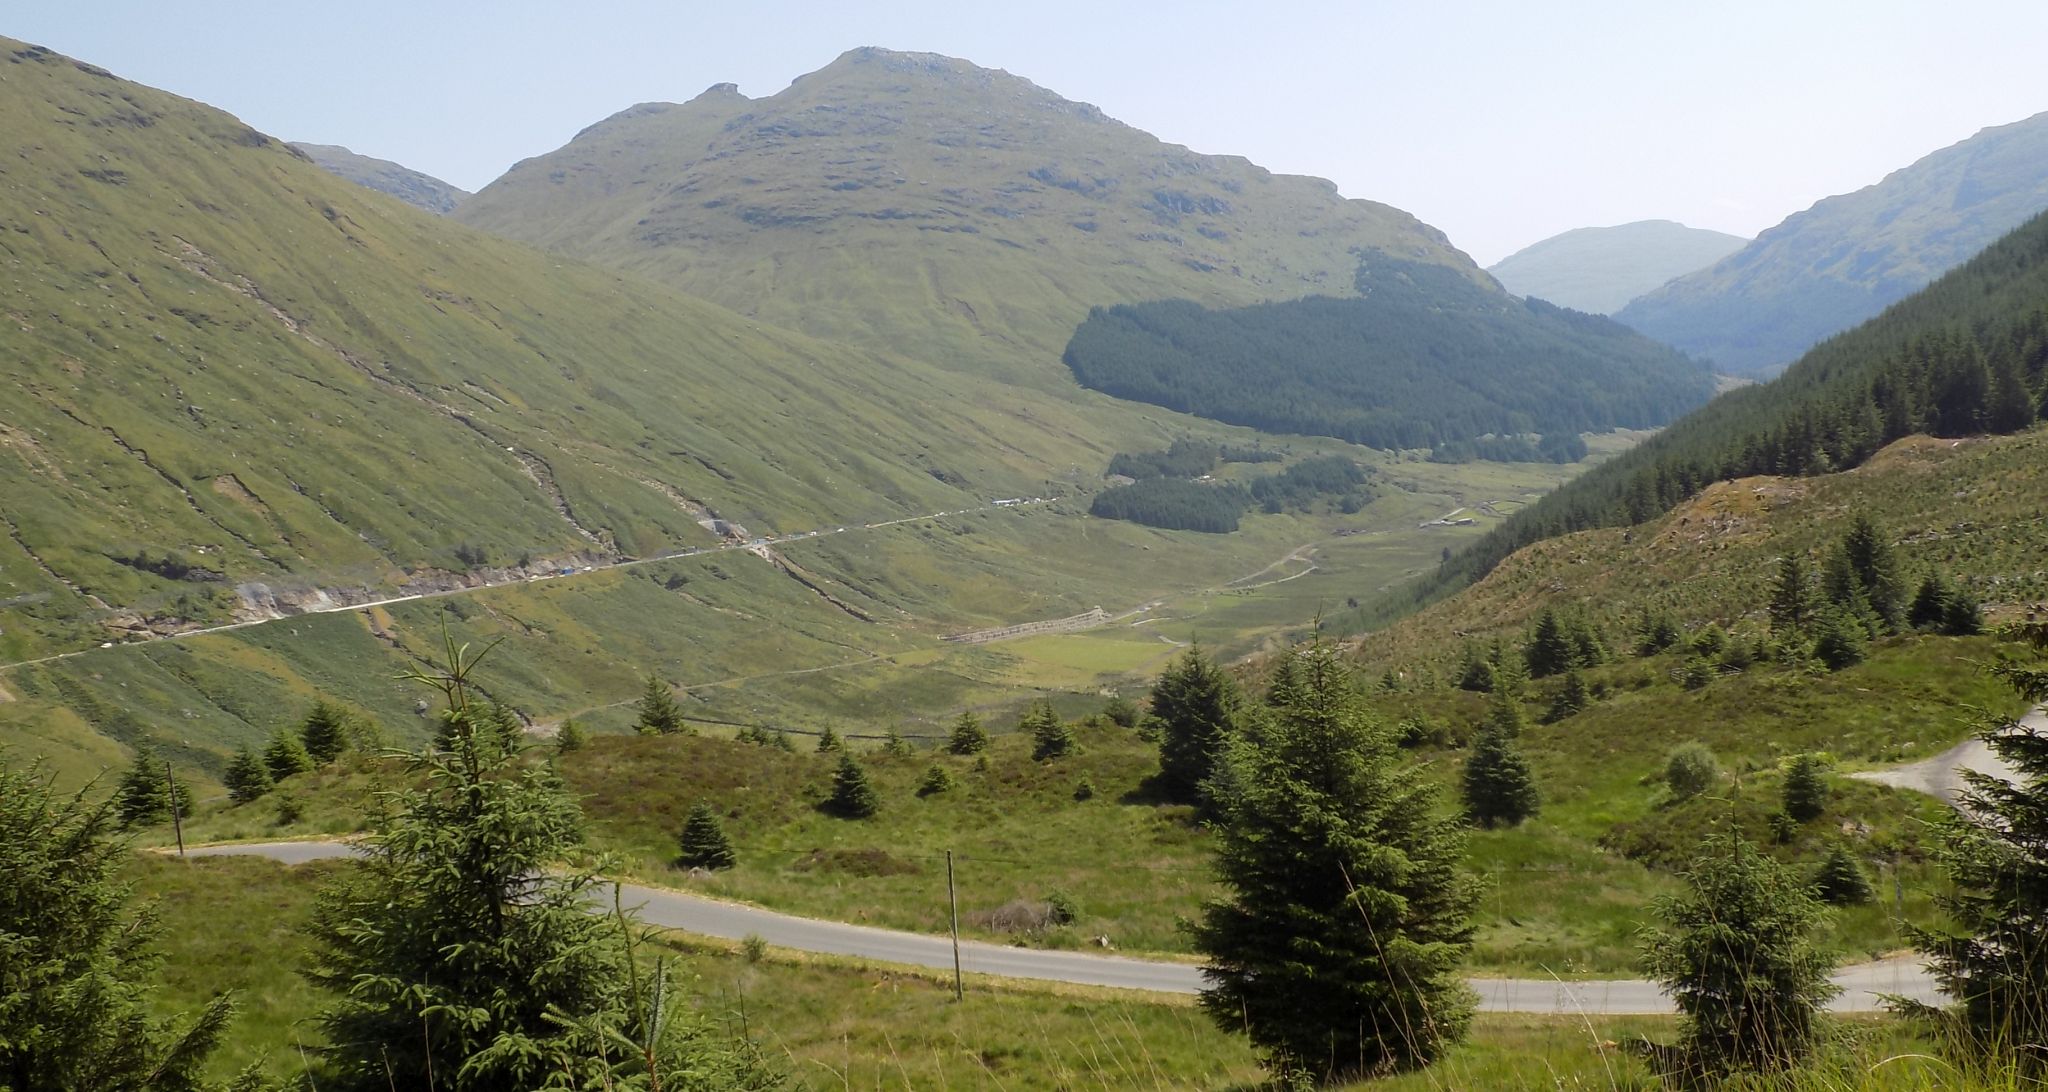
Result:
pixel 917 202
pixel 245 385
pixel 422 191
pixel 1421 357
pixel 1843 260
pixel 1600 269
pixel 225 355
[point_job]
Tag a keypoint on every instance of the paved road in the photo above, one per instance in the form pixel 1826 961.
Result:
pixel 1862 984
pixel 1941 776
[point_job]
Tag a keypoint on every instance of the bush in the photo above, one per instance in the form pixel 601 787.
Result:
pixel 1121 711
pixel 1691 770
pixel 1084 791
pixel 1061 909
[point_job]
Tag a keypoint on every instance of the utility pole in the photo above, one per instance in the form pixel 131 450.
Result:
pixel 177 821
pixel 953 899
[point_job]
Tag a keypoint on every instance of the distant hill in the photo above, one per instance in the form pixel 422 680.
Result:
pixel 1599 269
pixel 923 204
pixel 410 186
pixel 1421 357
pixel 1846 258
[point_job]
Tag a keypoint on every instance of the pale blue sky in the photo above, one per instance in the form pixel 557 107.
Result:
pixel 1501 123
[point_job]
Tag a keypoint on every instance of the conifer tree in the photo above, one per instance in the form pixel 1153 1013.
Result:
pixel 460 947
pixel 1549 650
pixel 853 795
pixel 968 737
pixel 1737 955
pixel 1656 632
pixel 246 778
pixel 1499 789
pixel 829 742
pixel 1050 736
pixel 659 713
pixel 144 795
pixel 1841 881
pixel 1572 697
pixel 569 737
pixel 285 756
pixel 1476 671
pixel 1504 711
pixel 1588 649
pixel 1838 640
pixel 1196 703
pixel 1991 957
pixel 1806 788
pixel 936 780
pixel 2009 407
pixel 1791 604
pixel 1346 912
pixel 1876 566
pixel 324 732
pixel 702 843
pixel 1961 616
pixel 76 963
pixel 896 746
pixel 1930 602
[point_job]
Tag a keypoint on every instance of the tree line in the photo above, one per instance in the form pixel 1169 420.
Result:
pixel 1175 503
pixel 1422 357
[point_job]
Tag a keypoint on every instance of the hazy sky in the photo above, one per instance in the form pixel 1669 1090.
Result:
pixel 1501 123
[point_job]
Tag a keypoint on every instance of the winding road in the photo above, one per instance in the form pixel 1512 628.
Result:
pixel 1862 984
pixel 1942 776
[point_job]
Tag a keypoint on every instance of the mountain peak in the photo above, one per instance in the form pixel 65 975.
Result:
pixel 721 92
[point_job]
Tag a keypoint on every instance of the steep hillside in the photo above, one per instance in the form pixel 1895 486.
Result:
pixel 422 191
pixel 238 378
pixel 1843 260
pixel 1965 355
pixel 1422 357
pixel 1971 508
pixel 1599 269
pixel 917 202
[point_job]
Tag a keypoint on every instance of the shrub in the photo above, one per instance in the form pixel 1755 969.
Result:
pixel 1691 769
